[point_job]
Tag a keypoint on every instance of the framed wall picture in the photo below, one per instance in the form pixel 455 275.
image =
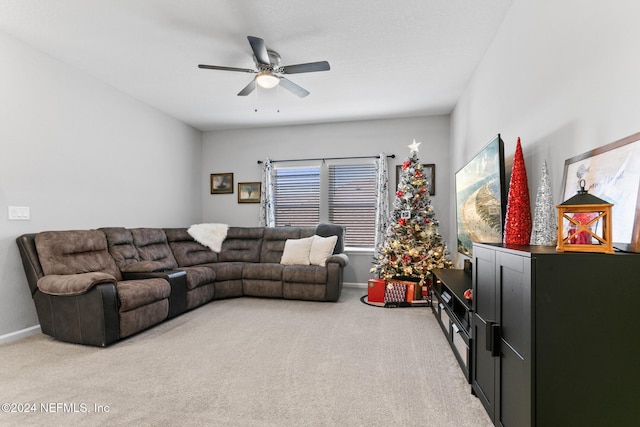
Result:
pixel 249 192
pixel 428 170
pixel 221 183
pixel 612 173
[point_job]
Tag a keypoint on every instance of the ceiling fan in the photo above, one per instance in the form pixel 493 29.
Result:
pixel 269 70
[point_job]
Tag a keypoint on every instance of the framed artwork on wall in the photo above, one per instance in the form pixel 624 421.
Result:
pixel 612 173
pixel 428 170
pixel 249 192
pixel 221 183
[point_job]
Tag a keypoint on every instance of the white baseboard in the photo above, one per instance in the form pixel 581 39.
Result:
pixel 17 335
pixel 354 285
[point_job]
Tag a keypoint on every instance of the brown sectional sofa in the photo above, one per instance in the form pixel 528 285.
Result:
pixel 98 286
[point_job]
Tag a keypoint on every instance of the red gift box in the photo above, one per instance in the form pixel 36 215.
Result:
pixel 375 290
pixel 411 292
pixel 413 289
pixel 395 292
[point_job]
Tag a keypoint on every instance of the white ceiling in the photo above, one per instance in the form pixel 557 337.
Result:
pixel 388 58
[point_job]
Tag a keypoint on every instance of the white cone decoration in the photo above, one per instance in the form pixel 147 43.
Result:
pixel 545 225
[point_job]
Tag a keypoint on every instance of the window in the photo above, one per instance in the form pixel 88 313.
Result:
pixel 352 202
pixel 297 198
pixel 343 194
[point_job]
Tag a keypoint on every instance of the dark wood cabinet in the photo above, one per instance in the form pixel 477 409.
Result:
pixel 555 336
pixel 453 312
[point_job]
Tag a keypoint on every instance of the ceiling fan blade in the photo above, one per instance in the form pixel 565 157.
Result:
pixel 306 68
pixel 217 67
pixel 293 88
pixel 248 88
pixel 259 50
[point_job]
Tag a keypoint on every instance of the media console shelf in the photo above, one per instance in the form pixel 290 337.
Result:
pixel 453 313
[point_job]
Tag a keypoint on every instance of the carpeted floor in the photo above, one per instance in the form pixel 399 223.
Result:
pixel 249 362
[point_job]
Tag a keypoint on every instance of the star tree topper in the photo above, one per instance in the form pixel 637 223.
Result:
pixel 413 148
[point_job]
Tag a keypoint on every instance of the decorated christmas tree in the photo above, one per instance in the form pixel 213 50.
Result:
pixel 412 246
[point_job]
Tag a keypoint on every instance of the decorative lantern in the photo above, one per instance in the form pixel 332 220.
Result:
pixel 584 224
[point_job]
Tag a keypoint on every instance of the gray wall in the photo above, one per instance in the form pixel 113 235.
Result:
pixel 82 155
pixel 563 76
pixel 237 151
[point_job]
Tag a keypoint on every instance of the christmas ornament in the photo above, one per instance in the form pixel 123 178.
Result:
pixel 545 226
pixel 413 148
pixel 517 227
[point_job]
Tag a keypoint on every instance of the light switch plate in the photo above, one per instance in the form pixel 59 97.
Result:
pixel 19 213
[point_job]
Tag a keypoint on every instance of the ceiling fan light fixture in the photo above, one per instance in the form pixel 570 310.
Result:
pixel 267 80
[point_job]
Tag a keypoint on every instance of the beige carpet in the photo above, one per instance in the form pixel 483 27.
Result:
pixel 249 362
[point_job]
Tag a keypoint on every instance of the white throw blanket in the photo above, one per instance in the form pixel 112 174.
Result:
pixel 210 235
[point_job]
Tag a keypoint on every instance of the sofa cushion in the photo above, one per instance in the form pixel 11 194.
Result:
pixel 321 249
pixel 273 242
pixel 136 293
pixel 75 251
pixel 227 270
pixel 304 291
pixel 304 274
pixel 152 245
pixel 121 246
pixel 199 276
pixel 242 244
pixel 133 321
pixel 263 271
pixel 327 230
pixel 296 251
pixel 307 231
pixel 187 251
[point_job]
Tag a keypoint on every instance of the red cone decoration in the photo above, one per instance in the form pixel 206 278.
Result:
pixel 517 227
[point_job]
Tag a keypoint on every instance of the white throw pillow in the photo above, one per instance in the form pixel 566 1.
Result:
pixel 321 249
pixel 296 251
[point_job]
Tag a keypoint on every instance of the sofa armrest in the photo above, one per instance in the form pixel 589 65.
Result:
pixel 73 284
pixel 341 259
pixel 90 318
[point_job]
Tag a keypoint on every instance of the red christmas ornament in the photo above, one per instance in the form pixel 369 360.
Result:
pixel 402 222
pixel 399 193
pixel 418 174
pixel 517 226
pixel 406 164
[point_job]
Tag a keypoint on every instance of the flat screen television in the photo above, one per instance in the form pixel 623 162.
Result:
pixel 481 198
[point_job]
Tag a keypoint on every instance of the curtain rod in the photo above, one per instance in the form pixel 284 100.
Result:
pixel 393 156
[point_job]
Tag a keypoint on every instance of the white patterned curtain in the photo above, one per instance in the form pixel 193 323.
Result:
pixel 267 214
pixel 382 199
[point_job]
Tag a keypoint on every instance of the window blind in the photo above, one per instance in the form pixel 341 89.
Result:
pixel 352 202
pixel 297 196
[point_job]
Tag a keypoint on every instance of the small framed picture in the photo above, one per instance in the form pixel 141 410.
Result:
pixel 221 183
pixel 405 214
pixel 428 171
pixel 249 192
